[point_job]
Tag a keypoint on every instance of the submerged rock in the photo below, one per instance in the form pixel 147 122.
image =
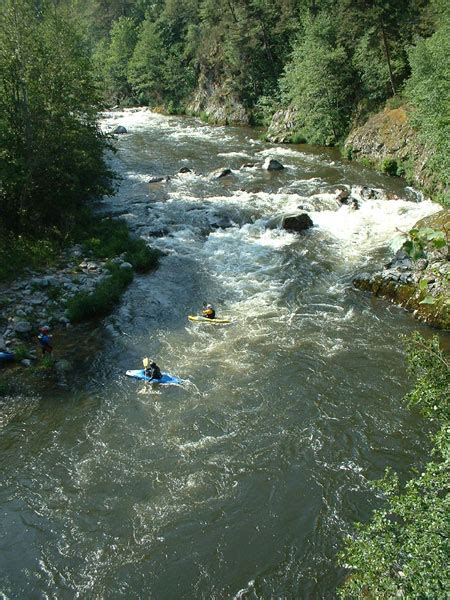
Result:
pixel 219 173
pixel 119 130
pixel 185 170
pixel 156 179
pixel 297 223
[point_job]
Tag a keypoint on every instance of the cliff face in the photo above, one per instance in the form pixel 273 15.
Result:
pixel 218 103
pixel 283 126
pixel 389 135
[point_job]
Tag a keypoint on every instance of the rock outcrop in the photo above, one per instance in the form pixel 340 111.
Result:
pixel 218 103
pixel 389 136
pixel 283 126
pixel 421 286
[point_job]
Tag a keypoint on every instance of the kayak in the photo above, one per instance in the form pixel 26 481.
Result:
pixel 200 319
pixel 6 356
pixel 166 378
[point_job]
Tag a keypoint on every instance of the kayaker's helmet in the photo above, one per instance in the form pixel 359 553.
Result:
pixel 45 329
pixel 209 306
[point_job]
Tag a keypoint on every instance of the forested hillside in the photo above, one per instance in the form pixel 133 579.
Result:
pixel 332 63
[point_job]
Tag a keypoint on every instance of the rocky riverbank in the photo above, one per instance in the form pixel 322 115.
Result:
pixel 36 299
pixel 421 286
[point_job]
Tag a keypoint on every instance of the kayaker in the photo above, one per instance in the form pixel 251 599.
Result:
pixel 209 312
pixel 153 371
pixel 45 340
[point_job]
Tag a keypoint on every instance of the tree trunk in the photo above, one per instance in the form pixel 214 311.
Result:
pixel 388 57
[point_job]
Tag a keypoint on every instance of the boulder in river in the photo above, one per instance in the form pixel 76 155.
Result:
pixel 248 165
pixel 156 179
pixel 119 130
pixel 270 164
pixel 185 170
pixel 219 173
pixel 297 223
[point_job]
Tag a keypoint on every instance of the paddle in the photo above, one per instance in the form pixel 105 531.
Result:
pixel 145 363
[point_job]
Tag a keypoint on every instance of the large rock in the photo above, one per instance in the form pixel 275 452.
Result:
pixel 156 179
pixel 185 170
pixel 22 327
pixel 389 135
pixel 218 102
pixel 283 126
pixel 297 223
pixel 119 130
pixel 271 164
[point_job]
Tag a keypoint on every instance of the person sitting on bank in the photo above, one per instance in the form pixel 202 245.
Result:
pixel 209 312
pixel 45 340
pixel 152 370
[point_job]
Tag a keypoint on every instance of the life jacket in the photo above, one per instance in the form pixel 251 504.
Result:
pixel 209 313
pixel 44 340
pixel 153 371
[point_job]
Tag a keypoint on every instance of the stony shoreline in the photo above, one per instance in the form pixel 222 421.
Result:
pixel 420 286
pixel 41 299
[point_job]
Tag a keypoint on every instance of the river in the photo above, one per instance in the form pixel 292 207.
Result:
pixel 243 482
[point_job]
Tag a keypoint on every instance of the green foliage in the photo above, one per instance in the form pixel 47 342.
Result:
pixel 111 58
pixel 347 152
pixel 141 256
pixel 318 82
pixel 108 238
pixel 428 93
pixel 84 306
pixel 429 368
pixel 51 160
pixel 298 138
pixel 403 550
pixel 18 253
pixel 388 166
pixel 419 240
pixel 20 352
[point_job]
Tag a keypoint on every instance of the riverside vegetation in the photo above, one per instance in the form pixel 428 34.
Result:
pixel 328 64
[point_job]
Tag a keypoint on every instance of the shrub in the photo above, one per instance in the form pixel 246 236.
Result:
pixel 403 550
pixel 101 301
pixel 298 138
pixel 388 166
pixel 141 256
pixel 18 253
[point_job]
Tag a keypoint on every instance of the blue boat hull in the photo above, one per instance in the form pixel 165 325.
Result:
pixel 6 356
pixel 166 378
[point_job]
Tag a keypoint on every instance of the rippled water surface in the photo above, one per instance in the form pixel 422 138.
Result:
pixel 242 482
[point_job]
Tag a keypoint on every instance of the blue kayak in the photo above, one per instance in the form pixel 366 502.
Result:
pixel 166 378
pixel 6 356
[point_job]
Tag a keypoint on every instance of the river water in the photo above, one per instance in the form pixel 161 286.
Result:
pixel 243 482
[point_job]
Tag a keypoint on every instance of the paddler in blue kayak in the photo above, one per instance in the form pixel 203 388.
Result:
pixel 45 340
pixel 151 369
pixel 209 312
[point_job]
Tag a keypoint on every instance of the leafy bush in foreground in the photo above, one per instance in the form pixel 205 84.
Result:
pixel 403 551
pixel 101 301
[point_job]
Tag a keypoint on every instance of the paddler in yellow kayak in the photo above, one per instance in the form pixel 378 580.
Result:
pixel 209 312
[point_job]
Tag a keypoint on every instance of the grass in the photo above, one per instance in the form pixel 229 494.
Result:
pixel 108 238
pixel 84 306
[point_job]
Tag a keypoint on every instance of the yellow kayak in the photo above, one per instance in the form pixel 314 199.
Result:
pixel 200 319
